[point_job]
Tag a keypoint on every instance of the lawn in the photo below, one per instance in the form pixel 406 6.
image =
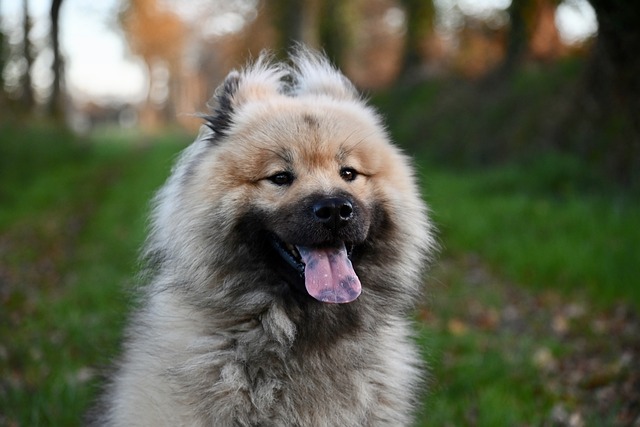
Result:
pixel 531 315
pixel 68 245
pixel 572 242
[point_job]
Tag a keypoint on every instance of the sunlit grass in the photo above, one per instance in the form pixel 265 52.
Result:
pixel 566 241
pixel 87 216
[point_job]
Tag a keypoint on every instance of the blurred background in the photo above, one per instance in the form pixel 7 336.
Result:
pixel 523 118
pixel 146 60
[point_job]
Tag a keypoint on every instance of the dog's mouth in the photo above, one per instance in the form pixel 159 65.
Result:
pixel 327 270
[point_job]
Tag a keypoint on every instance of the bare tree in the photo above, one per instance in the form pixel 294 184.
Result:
pixel 27 55
pixel 55 102
pixel 2 62
pixel 158 36
pixel 289 18
pixel 420 22
pixel 612 84
pixel 615 62
pixel 335 29
pixel 517 41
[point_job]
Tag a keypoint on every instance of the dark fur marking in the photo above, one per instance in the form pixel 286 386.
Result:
pixel 259 268
pixel 258 276
pixel 221 119
pixel 311 121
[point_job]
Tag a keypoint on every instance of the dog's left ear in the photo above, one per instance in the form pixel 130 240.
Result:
pixel 260 80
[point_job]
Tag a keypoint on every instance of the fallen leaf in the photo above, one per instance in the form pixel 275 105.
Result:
pixel 457 327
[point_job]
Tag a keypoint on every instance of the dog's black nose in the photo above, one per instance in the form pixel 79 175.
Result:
pixel 333 212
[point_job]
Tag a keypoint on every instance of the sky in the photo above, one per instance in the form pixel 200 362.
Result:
pixel 100 67
pixel 98 63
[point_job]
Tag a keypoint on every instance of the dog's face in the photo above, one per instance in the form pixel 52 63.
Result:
pixel 312 169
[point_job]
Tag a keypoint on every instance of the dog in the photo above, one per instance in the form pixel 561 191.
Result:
pixel 285 255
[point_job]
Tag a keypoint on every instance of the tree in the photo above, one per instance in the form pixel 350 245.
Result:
pixel 295 22
pixel 615 63
pixel 157 35
pixel 289 17
pixel 517 41
pixel 532 33
pixel 335 27
pixel 2 62
pixel 420 23
pixel 27 55
pixel 612 84
pixel 55 102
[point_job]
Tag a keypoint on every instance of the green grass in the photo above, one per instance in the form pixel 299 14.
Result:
pixel 565 241
pixel 482 373
pixel 77 225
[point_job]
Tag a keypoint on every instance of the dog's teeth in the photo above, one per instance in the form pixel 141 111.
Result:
pixel 293 250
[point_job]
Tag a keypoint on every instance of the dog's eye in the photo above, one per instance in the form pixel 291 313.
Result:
pixel 282 178
pixel 348 174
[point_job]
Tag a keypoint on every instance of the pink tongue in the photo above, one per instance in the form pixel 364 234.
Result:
pixel 329 275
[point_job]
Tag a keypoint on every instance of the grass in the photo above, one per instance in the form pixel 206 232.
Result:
pixel 480 376
pixel 71 242
pixel 571 242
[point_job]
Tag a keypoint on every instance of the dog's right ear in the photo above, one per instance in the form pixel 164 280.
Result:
pixel 258 81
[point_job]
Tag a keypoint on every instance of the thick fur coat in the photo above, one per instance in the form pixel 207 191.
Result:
pixel 231 330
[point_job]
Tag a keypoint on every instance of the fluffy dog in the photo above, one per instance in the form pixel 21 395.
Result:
pixel 285 256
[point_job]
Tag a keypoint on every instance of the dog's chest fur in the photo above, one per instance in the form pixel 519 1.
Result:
pixel 259 373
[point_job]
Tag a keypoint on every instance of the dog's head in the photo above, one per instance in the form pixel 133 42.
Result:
pixel 298 171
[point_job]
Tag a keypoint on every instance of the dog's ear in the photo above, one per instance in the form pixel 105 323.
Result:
pixel 260 80
pixel 314 75
pixel 222 105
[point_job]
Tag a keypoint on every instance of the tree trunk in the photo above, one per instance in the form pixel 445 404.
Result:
pixel 612 84
pixel 615 64
pixel 27 54
pixel 56 109
pixel 2 62
pixel 420 15
pixel 289 17
pixel 517 41
pixel 334 29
